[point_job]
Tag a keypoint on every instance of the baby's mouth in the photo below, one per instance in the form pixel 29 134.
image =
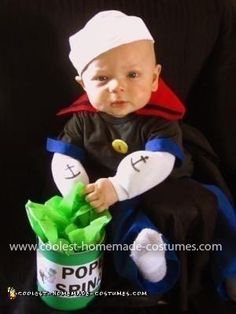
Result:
pixel 118 103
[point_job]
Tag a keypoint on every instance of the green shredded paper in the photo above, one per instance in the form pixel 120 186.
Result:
pixel 68 220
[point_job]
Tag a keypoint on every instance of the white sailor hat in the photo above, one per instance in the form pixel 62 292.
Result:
pixel 104 31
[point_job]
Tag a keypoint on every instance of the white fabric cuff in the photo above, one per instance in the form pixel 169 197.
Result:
pixel 120 191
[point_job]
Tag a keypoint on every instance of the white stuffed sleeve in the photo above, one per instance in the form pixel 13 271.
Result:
pixel 140 171
pixel 66 172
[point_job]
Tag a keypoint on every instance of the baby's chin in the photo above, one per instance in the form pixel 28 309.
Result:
pixel 120 111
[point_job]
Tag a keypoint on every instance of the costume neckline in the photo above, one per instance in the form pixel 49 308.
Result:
pixel 115 120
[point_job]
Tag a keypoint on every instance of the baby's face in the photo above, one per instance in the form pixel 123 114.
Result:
pixel 121 80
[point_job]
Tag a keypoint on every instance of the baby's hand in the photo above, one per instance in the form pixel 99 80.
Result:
pixel 101 194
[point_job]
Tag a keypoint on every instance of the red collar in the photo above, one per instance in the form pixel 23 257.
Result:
pixel 163 103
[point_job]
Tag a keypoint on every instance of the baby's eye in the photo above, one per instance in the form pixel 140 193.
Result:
pixel 101 78
pixel 132 74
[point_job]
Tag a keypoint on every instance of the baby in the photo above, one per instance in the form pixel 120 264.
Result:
pixel 125 143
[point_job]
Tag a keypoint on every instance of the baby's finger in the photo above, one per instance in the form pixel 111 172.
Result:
pixel 92 197
pixel 101 208
pixel 89 188
pixel 96 204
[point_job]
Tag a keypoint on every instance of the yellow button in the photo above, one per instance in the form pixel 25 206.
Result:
pixel 120 146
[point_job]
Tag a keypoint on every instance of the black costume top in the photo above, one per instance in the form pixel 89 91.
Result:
pixel 95 132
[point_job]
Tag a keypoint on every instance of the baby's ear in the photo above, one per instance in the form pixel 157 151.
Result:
pixel 80 81
pixel 156 75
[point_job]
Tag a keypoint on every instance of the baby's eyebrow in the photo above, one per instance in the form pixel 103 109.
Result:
pixel 100 65
pixel 131 65
pixel 99 73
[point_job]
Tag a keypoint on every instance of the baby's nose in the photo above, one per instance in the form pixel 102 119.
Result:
pixel 116 85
